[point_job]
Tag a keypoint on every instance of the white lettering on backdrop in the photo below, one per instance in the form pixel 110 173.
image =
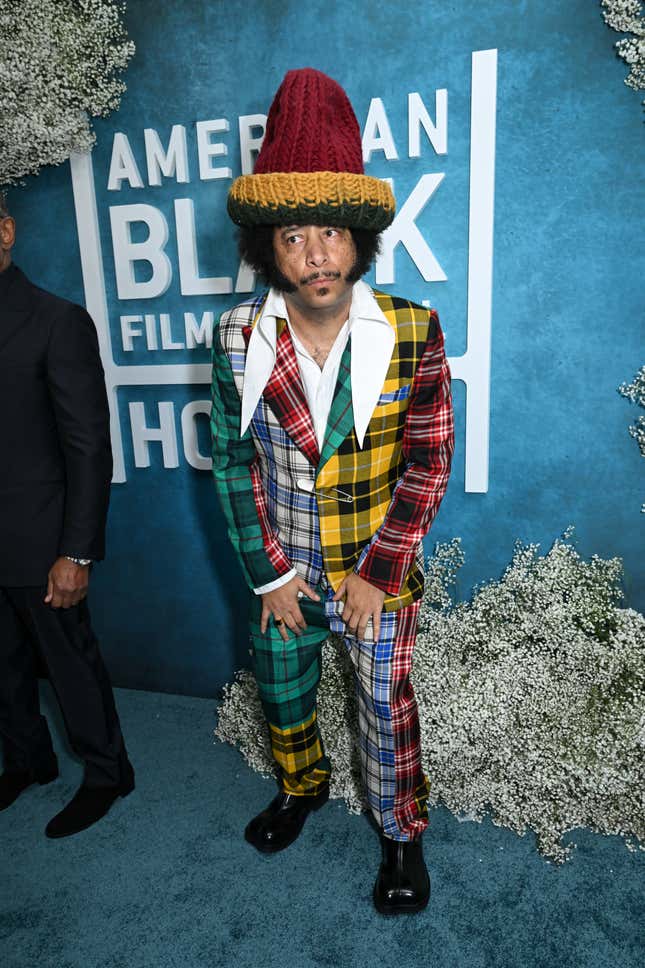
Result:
pixel 141 235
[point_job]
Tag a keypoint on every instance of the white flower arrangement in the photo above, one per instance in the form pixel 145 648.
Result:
pixel 625 17
pixel 635 391
pixel 59 64
pixel 531 699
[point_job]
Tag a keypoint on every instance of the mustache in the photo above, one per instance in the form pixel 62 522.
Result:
pixel 319 275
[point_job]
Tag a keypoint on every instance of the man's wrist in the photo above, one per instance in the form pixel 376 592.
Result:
pixel 83 562
pixel 276 583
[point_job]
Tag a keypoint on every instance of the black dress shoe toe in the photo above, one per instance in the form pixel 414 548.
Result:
pixel 402 885
pixel 280 824
pixel 87 806
pixel 13 783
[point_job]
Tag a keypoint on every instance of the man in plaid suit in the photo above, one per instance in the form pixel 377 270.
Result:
pixel 332 440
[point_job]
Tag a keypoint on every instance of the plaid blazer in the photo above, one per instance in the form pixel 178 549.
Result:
pixel 348 508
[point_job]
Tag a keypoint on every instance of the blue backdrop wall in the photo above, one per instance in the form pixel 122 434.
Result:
pixel 514 152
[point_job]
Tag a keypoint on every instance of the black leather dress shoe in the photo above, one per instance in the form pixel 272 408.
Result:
pixel 12 784
pixel 402 885
pixel 279 825
pixel 87 806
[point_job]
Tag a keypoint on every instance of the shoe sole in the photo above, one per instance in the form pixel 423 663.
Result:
pixel 393 911
pixel 390 911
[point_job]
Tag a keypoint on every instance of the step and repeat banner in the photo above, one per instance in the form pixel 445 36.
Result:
pixel 511 147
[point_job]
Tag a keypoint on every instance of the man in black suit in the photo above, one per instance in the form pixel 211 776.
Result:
pixel 55 471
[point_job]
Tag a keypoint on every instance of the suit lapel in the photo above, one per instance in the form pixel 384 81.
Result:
pixel 286 397
pixel 341 415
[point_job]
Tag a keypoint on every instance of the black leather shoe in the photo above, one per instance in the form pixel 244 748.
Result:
pixel 402 885
pixel 87 806
pixel 12 784
pixel 279 825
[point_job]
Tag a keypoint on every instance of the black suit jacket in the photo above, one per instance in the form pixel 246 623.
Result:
pixel 55 455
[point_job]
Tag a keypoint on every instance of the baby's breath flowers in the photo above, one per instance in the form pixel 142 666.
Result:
pixel 625 16
pixel 60 62
pixel 635 391
pixel 531 699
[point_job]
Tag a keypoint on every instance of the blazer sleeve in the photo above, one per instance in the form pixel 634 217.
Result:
pixel 238 481
pixel 77 390
pixel 428 445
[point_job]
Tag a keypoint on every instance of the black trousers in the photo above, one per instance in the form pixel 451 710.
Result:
pixel 63 639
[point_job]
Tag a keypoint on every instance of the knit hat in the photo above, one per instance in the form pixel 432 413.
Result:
pixel 310 168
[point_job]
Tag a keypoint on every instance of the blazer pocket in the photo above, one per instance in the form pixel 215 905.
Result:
pixel 389 416
pixel 394 396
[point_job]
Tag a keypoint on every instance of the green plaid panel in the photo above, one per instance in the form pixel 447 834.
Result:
pixel 288 673
pixel 232 458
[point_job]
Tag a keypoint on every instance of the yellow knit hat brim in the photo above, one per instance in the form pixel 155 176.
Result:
pixel 312 198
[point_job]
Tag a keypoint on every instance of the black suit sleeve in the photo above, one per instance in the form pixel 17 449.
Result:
pixel 77 389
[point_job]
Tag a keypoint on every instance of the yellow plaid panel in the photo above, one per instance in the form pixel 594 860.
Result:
pixel 296 748
pixel 370 474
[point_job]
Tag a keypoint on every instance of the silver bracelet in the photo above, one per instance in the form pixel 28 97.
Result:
pixel 83 562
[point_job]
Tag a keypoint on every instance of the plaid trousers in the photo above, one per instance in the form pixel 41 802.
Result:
pixel 288 673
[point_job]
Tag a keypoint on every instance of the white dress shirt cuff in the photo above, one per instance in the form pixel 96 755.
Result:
pixel 276 583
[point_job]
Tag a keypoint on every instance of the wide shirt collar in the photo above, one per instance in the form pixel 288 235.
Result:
pixel 372 343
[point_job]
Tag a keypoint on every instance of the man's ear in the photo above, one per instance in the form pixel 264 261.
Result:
pixel 7 232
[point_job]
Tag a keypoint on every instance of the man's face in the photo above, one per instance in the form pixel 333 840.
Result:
pixel 7 237
pixel 316 260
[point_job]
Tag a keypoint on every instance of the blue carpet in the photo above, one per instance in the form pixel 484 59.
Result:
pixel 167 881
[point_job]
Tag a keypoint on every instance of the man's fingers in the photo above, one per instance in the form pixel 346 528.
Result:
pixel 50 591
pixel 350 618
pixel 300 619
pixel 264 619
pixel 308 591
pixel 341 591
pixel 362 626
pixel 377 625
pixel 295 621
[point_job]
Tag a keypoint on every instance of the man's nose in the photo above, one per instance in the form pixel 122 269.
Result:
pixel 316 252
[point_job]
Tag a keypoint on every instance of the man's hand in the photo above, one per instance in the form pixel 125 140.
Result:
pixel 66 583
pixel 282 604
pixel 362 603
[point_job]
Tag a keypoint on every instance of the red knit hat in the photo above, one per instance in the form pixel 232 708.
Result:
pixel 310 167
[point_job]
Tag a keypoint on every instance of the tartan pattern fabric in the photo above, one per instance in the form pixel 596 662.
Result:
pixel 428 445
pixel 288 674
pixel 330 513
pixel 349 508
pixel 389 734
pixel 398 478
pixel 238 482
pixel 299 754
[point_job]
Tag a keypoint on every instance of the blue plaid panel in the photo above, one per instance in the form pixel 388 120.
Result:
pixel 402 393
